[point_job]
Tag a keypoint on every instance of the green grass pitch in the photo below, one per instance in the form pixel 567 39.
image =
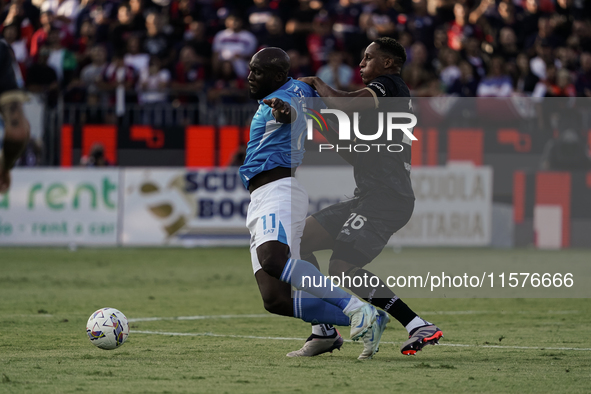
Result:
pixel 46 296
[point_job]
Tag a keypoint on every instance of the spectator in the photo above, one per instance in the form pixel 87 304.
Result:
pixel 95 158
pixel 195 37
pixel 544 58
pixel 189 76
pixel 259 15
pixel 336 74
pixel 16 16
pixel 182 14
pixel 154 83
pixel 460 28
pixel 449 71
pixel 418 56
pixel 276 36
pixel 300 23
pixel 19 70
pixel 156 42
pixel 65 12
pixel 506 11
pixel 565 153
pixel 507 47
pixel 27 12
pixel 235 45
pixel 526 80
pixel 556 32
pixel 583 82
pixel 378 20
pixel 40 36
pixel 60 59
pixel 528 19
pixel 582 34
pixel 92 74
pixel 18 44
pixel 321 41
pixel 475 57
pixel 416 71
pixel 543 33
pixel 345 15
pixel 103 14
pixel 466 85
pixel 496 83
pixel 122 29
pixel 558 83
pixel 228 88
pixel 85 40
pixel 299 65
pixel 420 24
pixel 133 57
pixel 41 78
pixel 138 21
pixel 568 58
pixel 119 80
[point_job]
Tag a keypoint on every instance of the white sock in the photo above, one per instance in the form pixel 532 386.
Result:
pixel 353 304
pixel 323 330
pixel 415 323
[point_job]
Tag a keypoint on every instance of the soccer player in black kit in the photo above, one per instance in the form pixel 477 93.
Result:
pixel 16 126
pixel 384 199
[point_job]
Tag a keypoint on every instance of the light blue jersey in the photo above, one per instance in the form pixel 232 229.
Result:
pixel 273 144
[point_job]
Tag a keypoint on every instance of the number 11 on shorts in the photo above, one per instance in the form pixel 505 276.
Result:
pixel 264 219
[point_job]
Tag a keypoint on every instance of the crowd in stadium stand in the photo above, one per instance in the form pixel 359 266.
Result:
pixel 170 50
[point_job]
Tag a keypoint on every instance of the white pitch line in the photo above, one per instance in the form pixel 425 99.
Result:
pixel 200 317
pixel 211 334
pixel 205 317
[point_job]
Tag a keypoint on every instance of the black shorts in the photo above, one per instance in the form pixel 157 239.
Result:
pixel 361 227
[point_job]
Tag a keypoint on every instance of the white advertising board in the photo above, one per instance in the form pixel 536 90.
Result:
pixel 453 204
pixel 179 206
pixel 453 207
pixel 206 207
pixel 60 207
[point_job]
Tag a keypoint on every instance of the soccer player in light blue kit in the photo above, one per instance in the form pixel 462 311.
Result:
pixel 278 208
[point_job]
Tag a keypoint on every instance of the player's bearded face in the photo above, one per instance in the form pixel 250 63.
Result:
pixel 260 81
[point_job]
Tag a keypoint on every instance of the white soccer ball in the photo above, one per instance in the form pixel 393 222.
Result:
pixel 107 328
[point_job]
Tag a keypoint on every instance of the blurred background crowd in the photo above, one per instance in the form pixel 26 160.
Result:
pixel 154 51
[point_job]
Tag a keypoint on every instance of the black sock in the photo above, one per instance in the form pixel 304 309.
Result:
pixel 380 296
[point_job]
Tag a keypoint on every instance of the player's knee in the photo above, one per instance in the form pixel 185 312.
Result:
pixel 272 257
pixel 277 305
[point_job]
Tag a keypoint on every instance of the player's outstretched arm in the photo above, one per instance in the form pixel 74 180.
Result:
pixel 16 136
pixel 358 100
pixel 281 109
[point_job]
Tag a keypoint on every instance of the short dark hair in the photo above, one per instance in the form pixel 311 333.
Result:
pixel 392 48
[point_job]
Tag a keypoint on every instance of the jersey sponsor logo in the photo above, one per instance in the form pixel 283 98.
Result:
pixel 379 87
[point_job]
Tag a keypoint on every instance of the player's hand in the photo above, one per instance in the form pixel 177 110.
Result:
pixel 309 80
pixel 279 106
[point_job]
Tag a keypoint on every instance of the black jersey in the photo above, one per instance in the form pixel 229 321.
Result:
pixel 9 90
pixel 385 171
